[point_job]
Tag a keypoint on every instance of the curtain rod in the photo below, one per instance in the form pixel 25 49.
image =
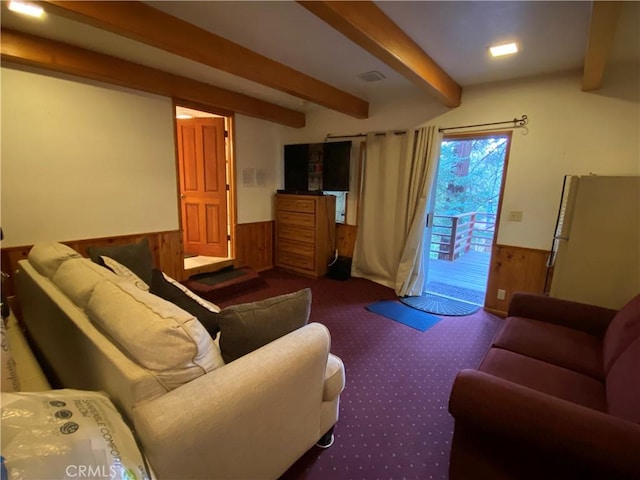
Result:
pixel 329 136
pixel 517 123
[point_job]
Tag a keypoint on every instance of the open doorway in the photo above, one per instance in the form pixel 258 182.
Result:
pixel 466 206
pixel 205 188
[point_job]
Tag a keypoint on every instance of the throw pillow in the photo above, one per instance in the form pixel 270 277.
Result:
pixel 124 273
pixel 247 327
pixel 135 256
pixel 163 288
pixel 205 303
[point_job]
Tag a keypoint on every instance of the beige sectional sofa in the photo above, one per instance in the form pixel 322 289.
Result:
pixel 195 416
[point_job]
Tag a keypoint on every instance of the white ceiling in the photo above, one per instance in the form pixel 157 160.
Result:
pixel 455 34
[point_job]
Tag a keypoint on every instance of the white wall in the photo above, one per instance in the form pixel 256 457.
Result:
pixel 570 132
pixel 258 151
pixel 83 160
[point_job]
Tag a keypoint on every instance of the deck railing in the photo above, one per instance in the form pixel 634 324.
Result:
pixel 453 235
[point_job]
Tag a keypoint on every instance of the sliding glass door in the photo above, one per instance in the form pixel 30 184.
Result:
pixel 466 204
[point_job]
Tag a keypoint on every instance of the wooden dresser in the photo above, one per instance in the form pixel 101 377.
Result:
pixel 305 233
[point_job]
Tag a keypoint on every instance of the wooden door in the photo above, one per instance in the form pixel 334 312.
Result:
pixel 203 190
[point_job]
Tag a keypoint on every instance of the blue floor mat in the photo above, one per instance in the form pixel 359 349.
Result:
pixel 403 314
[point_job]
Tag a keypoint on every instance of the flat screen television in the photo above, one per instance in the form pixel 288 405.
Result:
pixel 316 167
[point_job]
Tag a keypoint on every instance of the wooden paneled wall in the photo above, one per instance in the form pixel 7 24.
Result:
pixel 165 248
pixel 255 245
pixel 514 269
pixel 346 239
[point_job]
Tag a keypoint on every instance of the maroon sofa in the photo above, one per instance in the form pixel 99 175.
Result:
pixel 556 396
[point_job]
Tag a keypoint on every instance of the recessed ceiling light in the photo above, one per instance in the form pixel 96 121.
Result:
pixel 504 49
pixel 26 9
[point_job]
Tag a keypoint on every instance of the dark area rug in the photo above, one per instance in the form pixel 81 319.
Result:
pixel 401 313
pixel 393 421
pixel 433 303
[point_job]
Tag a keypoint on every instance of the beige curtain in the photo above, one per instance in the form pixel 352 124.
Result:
pixel 397 176
pixel 379 240
pixel 414 261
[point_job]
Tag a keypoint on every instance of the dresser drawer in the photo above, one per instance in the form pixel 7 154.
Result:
pixel 302 205
pixel 287 259
pixel 299 248
pixel 300 219
pixel 292 232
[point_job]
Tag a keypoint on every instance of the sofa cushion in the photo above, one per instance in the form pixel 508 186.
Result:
pixel 623 330
pixel 135 256
pixel 546 378
pixel 562 346
pixel 78 277
pixel 247 327
pixel 623 384
pixel 156 334
pixel 46 258
pixel 163 288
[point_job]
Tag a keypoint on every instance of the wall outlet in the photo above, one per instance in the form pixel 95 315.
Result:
pixel 501 294
pixel 515 216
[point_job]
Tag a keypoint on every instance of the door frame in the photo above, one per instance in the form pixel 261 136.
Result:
pixel 230 171
pixel 431 212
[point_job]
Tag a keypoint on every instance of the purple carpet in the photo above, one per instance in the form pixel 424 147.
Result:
pixel 393 421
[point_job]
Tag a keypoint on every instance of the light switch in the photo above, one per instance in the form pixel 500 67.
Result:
pixel 515 216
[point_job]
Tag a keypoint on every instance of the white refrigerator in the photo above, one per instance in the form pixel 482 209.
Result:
pixel 595 257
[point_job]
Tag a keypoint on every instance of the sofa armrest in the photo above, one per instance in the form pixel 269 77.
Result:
pixel 579 316
pixel 516 413
pixel 251 418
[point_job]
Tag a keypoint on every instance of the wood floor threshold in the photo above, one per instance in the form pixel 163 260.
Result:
pixel 209 268
pixel 499 313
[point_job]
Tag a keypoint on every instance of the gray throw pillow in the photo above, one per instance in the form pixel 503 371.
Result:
pixel 135 256
pixel 247 327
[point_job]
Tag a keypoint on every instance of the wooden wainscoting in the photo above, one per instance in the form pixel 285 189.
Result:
pixel 514 269
pixel 165 247
pixel 254 245
pixel 346 239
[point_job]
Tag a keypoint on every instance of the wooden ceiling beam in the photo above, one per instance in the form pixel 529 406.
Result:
pixel 602 29
pixel 21 48
pixel 368 26
pixel 148 25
